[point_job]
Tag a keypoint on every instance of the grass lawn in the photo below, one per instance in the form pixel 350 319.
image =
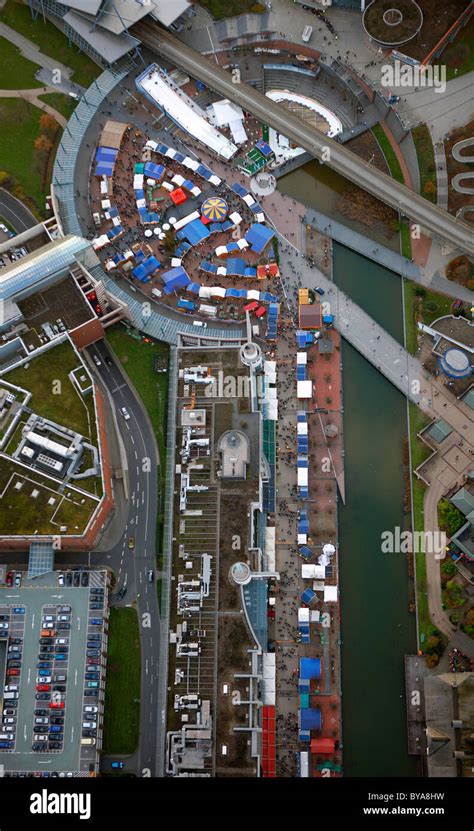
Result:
pixel 51 41
pixel 17 71
pixel 388 151
pixel 48 373
pixel 426 162
pixel 435 305
pixel 419 452
pixel 459 57
pixel 64 104
pixel 230 8
pixel 136 357
pixel 122 689
pixel 20 513
pixel 410 325
pixel 20 128
pixel 405 240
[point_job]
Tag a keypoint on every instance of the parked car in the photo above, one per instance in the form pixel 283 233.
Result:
pixel 94 607
pixel 68 578
pixel 77 578
pixel 93 661
pixel 57 705
pixel 64 617
pixel 41 720
pixel 92 676
pixel 61 579
pixel 18 610
pixel 95 621
pixel 85 579
pixel 60 656
pixel 18 576
pixel 64 625
pixel 43 688
pixel 62 641
pixel 42 696
pixel 93 653
pixel 55 745
pixel 41 712
pixel 89 709
pixel 38 747
pixel 117 765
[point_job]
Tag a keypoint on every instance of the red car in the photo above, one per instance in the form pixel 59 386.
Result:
pixel 43 687
pixel 57 705
pixel 93 661
pixel 13 671
pixel 9 578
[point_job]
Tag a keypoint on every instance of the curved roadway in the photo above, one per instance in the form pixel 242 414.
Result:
pixel 132 566
pixel 341 159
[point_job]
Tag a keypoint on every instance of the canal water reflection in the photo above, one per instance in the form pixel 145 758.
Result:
pixel 377 627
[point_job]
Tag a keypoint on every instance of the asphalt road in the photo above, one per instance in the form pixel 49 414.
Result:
pixel 132 565
pixel 17 214
pixel 340 158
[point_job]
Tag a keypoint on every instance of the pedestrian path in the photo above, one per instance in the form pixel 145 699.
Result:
pixel 32 96
pixel 441 175
pixel 32 52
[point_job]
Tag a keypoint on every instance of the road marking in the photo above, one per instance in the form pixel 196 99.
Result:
pixel 146 667
pixel 132 439
pixel 72 734
pixel 33 621
pixel 29 675
pixel 75 677
pixel 78 624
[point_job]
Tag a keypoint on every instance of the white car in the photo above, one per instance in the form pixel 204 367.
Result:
pixel 91 709
pixel 41 720
pixel 8 728
pixel 47 617
pixel 40 737
pixel 97 360
pixel 43 679
pixel 89 724
pixel 48 625
pixel 64 617
pixel 3 625
pixel 125 413
pixel 61 579
pixel 62 641
pixel 9 720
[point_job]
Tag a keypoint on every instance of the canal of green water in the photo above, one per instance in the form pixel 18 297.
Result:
pixel 377 627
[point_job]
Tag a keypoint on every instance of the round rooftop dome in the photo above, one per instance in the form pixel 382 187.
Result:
pixel 455 363
pixel 250 354
pixel 240 573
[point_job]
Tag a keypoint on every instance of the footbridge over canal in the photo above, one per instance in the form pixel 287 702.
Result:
pixel 347 163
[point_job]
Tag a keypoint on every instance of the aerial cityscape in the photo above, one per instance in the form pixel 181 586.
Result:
pixel 237 400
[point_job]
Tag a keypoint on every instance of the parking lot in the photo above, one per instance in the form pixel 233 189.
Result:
pixel 54 667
